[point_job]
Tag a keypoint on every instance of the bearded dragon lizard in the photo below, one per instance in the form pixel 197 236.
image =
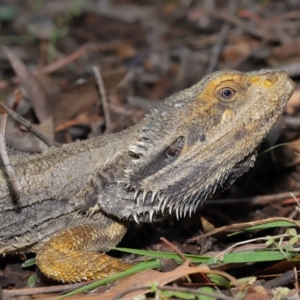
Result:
pixel 77 200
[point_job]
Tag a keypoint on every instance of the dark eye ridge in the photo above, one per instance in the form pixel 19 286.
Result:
pixel 227 93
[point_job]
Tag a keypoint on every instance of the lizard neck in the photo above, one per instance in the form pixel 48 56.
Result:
pixel 59 173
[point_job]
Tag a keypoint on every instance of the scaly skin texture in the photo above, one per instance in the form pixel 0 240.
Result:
pixel 76 200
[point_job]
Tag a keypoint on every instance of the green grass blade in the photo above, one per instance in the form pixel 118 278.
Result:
pixel 249 256
pixel 165 255
pixel 266 225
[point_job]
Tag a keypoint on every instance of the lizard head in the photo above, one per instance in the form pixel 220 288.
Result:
pixel 203 138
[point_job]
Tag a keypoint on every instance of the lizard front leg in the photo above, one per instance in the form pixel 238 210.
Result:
pixel 71 254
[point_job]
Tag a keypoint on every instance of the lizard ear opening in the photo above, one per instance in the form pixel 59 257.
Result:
pixel 143 169
pixel 175 148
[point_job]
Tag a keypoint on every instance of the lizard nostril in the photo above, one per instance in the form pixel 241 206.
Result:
pixel 270 80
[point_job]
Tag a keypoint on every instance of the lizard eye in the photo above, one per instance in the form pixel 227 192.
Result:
pixel 226 93
pixel 175 148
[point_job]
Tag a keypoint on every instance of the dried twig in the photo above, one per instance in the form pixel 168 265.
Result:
pixel 18 293
pixel 282 280
pixel 28 125
pixel 216 50
pixel 80 121
pixel 175 249
pixel 257 200
pixel 255 31
pixel 37 95
pixel 183 290
pixel 103 96
pixel 240 226
pixel 6 161
pixel 57 65
pixel 296 279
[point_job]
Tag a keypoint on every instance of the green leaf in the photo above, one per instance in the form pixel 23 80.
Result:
pixel 249 280
pixel 180 295
pixel 219 280
pixel 153 286
pixel 208 290
pixel 293 240
pixel 270 241
pixel 32 281
pixel 29 262
pixel 292 232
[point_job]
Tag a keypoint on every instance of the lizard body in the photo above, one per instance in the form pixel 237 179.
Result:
pixel 76 200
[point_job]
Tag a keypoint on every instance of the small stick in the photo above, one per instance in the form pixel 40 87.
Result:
pixel 256 200
pixel 187 291
pixel 241 226
pixel 296 279
pixel 28 125
pixel 282 280
pixel 103 96
pixel 175 249
pixel 6 161
pixel 216 50
pixel 18 293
